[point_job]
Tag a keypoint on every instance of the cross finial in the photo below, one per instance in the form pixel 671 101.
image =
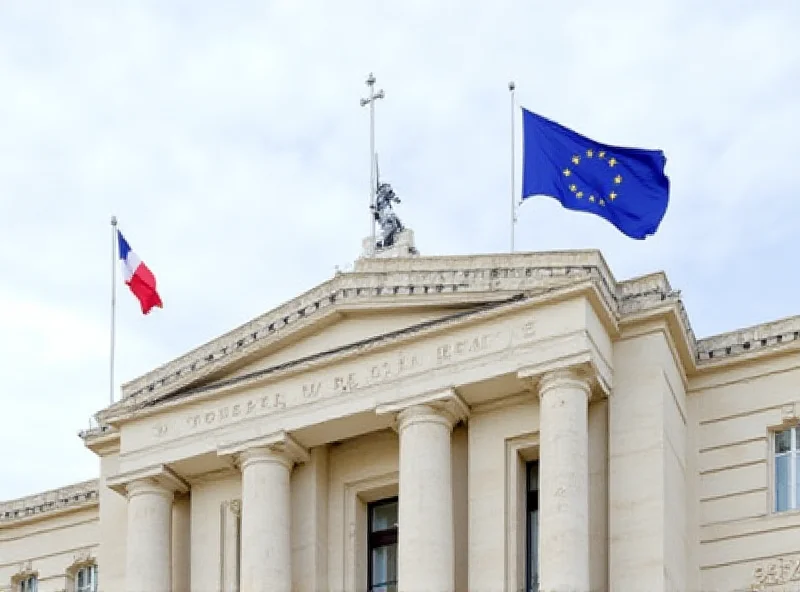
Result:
pixel 372 94
pixel 370 100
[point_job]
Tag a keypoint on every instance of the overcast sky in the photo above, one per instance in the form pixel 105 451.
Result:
pixel 229 140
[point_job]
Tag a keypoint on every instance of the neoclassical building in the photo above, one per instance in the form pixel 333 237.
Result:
pixel 482 423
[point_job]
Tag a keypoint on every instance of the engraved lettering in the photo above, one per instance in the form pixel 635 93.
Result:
pixel 528 330
pixel 355 376
pixel 796 571
pixel 345 384
pixel 312 390
pixel 758 575
pixel 443 353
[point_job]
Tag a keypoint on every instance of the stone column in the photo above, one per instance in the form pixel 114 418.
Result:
pixel 564 482
pixel 148 554
pixel 426 545
pixel 266 554
pixel 149 548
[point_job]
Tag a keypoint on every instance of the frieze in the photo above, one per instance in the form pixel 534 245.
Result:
pixel 781 574
pixel 351 379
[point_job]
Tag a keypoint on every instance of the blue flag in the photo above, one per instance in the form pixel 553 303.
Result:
pixel 626 186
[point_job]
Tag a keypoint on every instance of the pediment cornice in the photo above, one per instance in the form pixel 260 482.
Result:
pixel 383 284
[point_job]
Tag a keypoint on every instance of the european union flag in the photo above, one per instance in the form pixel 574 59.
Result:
pixel 626 186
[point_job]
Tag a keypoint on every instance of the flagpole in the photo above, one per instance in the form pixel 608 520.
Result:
pixel 113 305
pixel 511 88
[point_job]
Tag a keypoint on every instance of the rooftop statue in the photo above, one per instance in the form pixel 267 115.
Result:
pixel 384 214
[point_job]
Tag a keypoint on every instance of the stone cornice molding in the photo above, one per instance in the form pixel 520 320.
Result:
pixel 751 342
pixel 393 340
pixel 102 440
pixel 446 404
pixel 442 281
pixel 277 444
pixel 41 505
pixel 425 281
pixel 158 475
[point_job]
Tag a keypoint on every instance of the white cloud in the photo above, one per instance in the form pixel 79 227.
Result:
pixel 230 143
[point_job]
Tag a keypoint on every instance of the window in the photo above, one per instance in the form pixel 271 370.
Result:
pixel 382 546
pixel 787 469
pixel 532 527
pixel 27 584
pixel 86 579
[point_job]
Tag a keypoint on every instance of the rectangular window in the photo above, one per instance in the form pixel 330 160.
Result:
pixel 532 526
pixel 787 469
pixel 28 584
pixel 86 579
pixel 382 545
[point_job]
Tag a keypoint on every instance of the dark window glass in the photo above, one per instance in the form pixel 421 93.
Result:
pixel 382 543
pixel 532 527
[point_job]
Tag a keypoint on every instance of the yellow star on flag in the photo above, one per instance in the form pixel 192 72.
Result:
pixel 589 153
pixel 567 172
pixel 612 161
pixel 618 179
pixel 612 196
pixel 576 159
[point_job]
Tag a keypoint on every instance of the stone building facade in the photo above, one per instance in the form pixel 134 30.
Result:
pixel 483 423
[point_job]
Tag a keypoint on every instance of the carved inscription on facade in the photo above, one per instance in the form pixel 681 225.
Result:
pixel 354 377
pixel 777 575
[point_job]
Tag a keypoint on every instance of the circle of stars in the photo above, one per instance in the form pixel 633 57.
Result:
pixel 612 162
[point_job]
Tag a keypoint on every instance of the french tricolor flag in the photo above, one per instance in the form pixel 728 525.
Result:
pixel 138 276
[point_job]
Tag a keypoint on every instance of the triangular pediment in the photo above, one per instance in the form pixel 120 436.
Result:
pixel 381 298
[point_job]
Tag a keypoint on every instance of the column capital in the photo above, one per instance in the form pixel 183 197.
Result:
pixel 542 377
pixel 442 405
pixel 153 479
pixel 276 447
pixel 574 376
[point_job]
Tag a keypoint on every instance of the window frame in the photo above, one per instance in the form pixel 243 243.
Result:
pixel 381 538
pixel 91 569
pixel 531 504
pixel 24 583
pixel 793 455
